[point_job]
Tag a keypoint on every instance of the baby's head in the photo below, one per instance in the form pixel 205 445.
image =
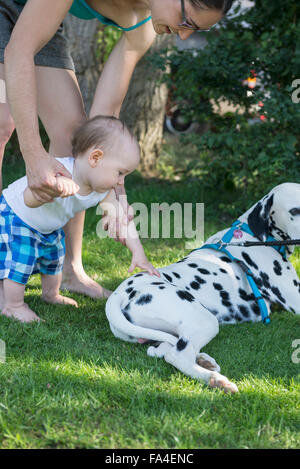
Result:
pixel 106 152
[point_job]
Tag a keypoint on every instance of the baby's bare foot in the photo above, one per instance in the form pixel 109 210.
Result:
pixel 59 299
pixel 21 313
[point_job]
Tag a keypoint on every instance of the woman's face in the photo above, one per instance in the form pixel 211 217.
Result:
pixel 167 15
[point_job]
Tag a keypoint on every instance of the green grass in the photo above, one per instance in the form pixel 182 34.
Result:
pixel 68 383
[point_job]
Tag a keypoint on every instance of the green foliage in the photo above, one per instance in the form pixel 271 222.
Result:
pixel 247 155
pixel 107 38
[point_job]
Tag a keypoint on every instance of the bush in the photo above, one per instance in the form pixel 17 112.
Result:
pixel 264 43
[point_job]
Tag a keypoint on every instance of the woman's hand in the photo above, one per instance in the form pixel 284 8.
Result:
pixel 42 179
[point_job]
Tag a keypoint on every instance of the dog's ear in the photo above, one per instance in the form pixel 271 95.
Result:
pixel 258 219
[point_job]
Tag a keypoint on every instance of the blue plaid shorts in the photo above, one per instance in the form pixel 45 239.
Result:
pixel 25 251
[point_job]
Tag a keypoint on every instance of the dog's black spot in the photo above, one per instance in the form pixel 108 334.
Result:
pixel 194 266
pixel 176 274
pixel 138 275
pixel 255 309
pixel 127 316
pixel 226 259
pixel 265 279
pixel 277 293
pixel 244 311
pixel 203 271
pixel 161 288
pixel 195 285
pixel 226 318
pixel 168 277
pixel 129 290
pixel 217 286
pixel 226 303
pixel 184 295
pixel 132 294
pixel 214 311
pixel 199 279
pixel 225 298
pixel 277 268
pixel 127 308
pixel 258 219
pixel 157 283
pixel 258 282
pixel 245 296
pixel 224 294
pixel 237 277
pixel 237 317
pixel 249 260
pixel 144 299
pixel 181 344
pixel 215 273
pixel 265 293
pixel 223 271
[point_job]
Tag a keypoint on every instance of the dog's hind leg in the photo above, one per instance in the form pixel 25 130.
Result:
pixel 184 353
pixel 184 360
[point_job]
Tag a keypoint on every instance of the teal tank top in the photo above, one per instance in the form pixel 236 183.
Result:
pixel 82 10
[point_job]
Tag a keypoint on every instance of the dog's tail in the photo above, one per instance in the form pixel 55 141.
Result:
pixel 118 321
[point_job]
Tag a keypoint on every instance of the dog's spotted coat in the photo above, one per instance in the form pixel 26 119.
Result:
pixel 182 310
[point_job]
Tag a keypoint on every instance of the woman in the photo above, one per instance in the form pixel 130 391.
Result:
pixel 40 81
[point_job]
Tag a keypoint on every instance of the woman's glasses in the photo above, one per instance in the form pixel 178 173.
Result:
pixel 185 24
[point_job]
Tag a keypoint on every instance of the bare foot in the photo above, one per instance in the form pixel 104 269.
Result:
pixel 83 284
pixel 59 299
pixel 21 313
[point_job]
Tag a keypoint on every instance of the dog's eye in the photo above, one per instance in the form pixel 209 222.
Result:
pixel 295 211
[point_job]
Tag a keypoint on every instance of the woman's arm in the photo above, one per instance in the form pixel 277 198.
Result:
pixel 115 78
pixel 36 25
pixel 65 186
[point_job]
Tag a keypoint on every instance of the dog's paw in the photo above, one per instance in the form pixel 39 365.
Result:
pixel 219 381
pixel 207 362
pixel 151 351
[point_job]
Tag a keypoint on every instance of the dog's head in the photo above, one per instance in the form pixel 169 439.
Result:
pixel 277 214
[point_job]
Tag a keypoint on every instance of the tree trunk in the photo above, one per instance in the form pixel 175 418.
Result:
pixel 144 108
pixel 86 52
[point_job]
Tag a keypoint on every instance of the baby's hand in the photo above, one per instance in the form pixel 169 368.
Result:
pixel 141 261
pixel 66 186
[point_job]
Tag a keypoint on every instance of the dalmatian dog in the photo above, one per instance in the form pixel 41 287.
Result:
pixel 182 310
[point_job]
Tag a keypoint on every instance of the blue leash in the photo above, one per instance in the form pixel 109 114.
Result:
pixel 219 246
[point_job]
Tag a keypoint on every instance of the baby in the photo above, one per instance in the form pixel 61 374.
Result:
pixel 31 232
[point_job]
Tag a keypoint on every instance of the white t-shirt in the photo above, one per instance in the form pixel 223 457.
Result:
pixel 51 216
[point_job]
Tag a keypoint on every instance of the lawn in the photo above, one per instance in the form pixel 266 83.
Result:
pixel 68 383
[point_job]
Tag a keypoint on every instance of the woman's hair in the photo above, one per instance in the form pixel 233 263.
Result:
pixel 223 5
pixel 98 132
